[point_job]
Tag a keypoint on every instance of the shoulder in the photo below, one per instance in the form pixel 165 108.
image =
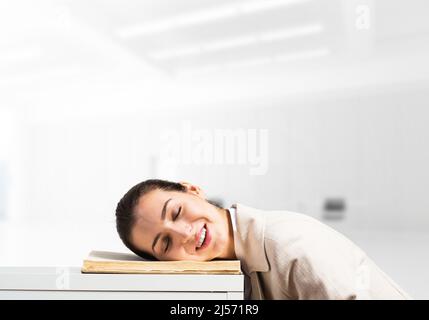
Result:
pixel 291 235
pixel 299 236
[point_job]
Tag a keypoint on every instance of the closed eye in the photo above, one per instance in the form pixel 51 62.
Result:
pixel 167 240
pixel 177 214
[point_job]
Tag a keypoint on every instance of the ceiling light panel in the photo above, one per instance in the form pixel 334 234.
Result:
pixel 199 17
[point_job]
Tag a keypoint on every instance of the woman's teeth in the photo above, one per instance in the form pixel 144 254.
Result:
pixel 202 237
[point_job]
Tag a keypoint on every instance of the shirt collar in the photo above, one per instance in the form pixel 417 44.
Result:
pixel 249 229
pixel 232 213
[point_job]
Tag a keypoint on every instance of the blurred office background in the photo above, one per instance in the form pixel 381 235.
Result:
pixel 342 87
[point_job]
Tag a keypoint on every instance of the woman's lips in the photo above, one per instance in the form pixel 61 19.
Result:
pixel 207 239
pixel 198 235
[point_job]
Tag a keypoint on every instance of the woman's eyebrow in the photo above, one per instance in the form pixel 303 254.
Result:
pixel 163 213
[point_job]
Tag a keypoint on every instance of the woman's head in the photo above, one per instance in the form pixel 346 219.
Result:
pixel 166 221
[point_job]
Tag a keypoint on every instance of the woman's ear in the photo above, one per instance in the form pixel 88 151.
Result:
pixel 191 188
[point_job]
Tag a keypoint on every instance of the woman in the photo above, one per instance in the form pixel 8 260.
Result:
pixel 284 255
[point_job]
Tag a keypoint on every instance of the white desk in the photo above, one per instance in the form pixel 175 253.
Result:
pixel 69 283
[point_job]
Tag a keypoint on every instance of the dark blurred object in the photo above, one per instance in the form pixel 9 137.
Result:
pixel 334 209
pixel 218 202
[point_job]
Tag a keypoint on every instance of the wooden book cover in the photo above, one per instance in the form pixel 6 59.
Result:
pixel 115 262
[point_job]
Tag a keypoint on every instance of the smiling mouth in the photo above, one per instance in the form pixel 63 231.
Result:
pixel 202 238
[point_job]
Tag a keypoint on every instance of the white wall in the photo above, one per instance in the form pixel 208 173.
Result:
pixel 369 148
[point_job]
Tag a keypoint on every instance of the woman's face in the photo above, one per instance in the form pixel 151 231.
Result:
pixel 169 226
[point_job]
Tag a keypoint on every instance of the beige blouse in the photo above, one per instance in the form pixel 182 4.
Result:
pixel 287 255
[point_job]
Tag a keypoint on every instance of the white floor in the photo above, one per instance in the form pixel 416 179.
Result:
pixel 404 256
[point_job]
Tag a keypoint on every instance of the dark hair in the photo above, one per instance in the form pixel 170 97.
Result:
pixel 125 217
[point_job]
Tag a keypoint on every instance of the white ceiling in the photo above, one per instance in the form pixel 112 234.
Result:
pixel 210 43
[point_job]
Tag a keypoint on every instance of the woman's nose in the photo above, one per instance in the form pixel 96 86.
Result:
pixel 184 231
